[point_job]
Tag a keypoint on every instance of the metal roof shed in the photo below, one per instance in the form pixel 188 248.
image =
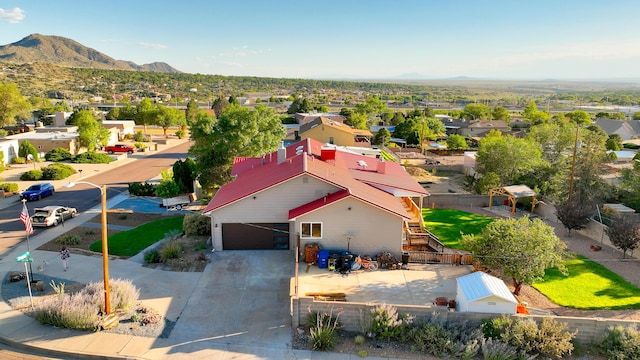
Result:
pixel 482 293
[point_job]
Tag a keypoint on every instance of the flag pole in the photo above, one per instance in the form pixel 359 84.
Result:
pixel 28 229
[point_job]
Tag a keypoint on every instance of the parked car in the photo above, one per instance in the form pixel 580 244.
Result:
pixel 119 148
pixel 37 191
pixel 52 215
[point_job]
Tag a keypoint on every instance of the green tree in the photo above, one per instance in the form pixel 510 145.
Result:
pixel 522 249
pixel 476 112
pixel 12 104
pixel 509 157
pixel 357 120
pixel 614 142
pixel 91 133
pixel 579 117
pixel 500 113
pixel 219 104
pixel 636 115
pixel 533 115
pixel 146 113
pixel 237 132
pixel 183 174
pixel 168 117
pixel 233 100
pixel 398 118
pixel 382 137
pixel 26 148
pixel 192 111
pixel 456 142
pixel 300 105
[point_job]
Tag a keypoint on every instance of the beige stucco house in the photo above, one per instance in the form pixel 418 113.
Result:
pixel 332 132
pixel 318 194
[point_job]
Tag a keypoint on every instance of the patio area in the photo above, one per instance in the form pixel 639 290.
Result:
pixel 420 284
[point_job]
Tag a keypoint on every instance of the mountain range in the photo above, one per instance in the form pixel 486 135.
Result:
pixel 70 53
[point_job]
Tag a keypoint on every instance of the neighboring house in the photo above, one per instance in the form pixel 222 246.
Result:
pixel 482 127
pixel 453 126
pixel 627 130
pixel 482 293
pixel 9 148
pixel 313 193
pixel 123 127
pixel 332 132
pixel 46 139
pixel 304 118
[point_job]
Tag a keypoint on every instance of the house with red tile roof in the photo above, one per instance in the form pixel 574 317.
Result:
pixel 315 193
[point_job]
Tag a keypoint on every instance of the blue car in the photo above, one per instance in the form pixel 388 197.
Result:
pixel 37 191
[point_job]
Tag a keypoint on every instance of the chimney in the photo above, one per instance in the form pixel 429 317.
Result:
pixel 382 167
pixel 327 153
pixel 282 153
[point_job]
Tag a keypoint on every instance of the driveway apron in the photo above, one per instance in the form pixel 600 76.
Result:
pixel 241 299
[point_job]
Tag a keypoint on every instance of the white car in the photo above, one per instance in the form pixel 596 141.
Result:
pixel 52 215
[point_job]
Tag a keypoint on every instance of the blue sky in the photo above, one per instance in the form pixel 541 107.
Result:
pixel 511 39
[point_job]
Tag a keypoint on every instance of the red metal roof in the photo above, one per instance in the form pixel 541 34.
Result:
pixel 303 157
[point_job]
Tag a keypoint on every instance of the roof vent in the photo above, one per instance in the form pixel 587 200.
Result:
pixel 362 164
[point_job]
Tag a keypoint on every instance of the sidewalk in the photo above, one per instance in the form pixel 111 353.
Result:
pixel 170 293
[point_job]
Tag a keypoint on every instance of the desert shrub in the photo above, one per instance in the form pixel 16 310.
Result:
pixel 18 160
pixel 324 330
pixel 385 322
pixel 57 171
pixel 123 294
pixel 167 188
pixel 69 240
pixel 139 136
pixel 171 250
pixel 152 256
pixel 621 343
pixel 142 189
pixel 429 337
pixel 180 134
pixel 58 154
pixel 359 340
pixel 196 224
pixel 68 311
pixel 497 350
pixel 31 175
pixel 549 338
pixel 140 146
pixel 91 157
pixel 9 187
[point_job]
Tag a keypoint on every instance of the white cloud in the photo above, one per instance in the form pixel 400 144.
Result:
pixel 232 64
pixel 13 16
pixel 152 46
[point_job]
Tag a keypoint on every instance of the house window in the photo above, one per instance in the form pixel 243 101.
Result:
pixel 330 139
pixel 311 230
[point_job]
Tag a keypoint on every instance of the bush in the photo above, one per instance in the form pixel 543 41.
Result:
pixel 167 189
pixel 152 256
pixel 142 189
pixel 69 240
pixel 549 338
pixel 31 175
pixel 58 154
pixel 140 146
pixel 430 337
pixel 123 294
pixel 385 323
pixel 324 328
pixel 139 136
pixel 91 157
pixel 180 134
pixel 19 160
pixel 196 224
pixel 171 250
pixel 621 343
pixel 57 171
pixel 9 187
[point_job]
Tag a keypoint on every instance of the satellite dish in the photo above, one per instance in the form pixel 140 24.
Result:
pixel 299 148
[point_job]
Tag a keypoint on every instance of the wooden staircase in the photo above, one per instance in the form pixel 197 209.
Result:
pixel 422 239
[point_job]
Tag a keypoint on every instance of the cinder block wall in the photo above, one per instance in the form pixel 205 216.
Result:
pixel 356 317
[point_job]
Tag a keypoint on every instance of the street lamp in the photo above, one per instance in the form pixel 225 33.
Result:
pixel 105 247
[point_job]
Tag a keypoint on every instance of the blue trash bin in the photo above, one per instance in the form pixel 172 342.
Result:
pixel 323 259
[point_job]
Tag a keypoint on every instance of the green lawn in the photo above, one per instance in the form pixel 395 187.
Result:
pixel 131 242
pixel 589 285
pixel 448 224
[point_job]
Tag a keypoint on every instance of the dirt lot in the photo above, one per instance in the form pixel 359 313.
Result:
pixel 192 258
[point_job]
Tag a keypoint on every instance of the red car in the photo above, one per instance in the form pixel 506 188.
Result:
pixel 119 148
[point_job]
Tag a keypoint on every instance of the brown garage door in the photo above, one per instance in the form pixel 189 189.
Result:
pixel 259 236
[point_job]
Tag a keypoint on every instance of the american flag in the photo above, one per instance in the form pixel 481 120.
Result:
pixel 26 219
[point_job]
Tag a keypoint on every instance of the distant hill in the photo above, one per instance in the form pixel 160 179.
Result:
pixel 70 53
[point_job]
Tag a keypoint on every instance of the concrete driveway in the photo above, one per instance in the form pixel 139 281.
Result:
pixel 242 299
